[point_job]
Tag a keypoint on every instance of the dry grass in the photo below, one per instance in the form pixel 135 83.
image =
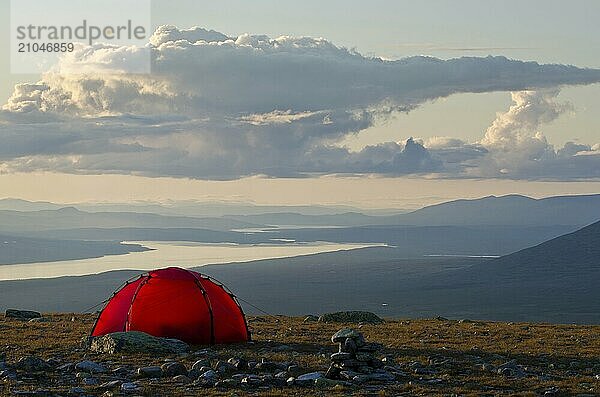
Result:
pixel 563 356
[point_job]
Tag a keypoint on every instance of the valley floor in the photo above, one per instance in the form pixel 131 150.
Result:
pixel 429 357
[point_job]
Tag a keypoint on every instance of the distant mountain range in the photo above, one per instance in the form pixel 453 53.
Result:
pixel 193 208
pixel 486 226
pixel 511 210
pixel 69 218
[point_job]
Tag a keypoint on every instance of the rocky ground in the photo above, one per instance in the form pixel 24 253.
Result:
pixel 297 356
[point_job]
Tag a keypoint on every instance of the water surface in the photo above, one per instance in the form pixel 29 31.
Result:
pixel 164 254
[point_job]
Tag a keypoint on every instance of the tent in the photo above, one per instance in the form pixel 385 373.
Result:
pixel 175 303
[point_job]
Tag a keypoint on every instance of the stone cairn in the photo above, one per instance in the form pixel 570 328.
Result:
pixel 355 361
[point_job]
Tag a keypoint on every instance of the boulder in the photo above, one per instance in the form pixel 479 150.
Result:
pixel 24 315
pixel 136 342
pixel 351 317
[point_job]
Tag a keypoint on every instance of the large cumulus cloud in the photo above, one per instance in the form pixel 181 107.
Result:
pixel 220 107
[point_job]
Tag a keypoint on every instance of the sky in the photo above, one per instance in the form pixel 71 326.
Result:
pixel 329 120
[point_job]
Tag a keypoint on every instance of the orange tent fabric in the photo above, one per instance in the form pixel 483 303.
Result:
pixel 175 303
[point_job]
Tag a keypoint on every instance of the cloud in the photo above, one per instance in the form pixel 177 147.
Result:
pixel 518 149
pixel 220 107
pixel 514 147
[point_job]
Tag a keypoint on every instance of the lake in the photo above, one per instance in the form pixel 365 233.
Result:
pixel 165 254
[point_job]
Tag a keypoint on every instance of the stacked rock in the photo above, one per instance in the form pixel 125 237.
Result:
pixel 355 361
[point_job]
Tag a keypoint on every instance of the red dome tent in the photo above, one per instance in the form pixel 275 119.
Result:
pixel 175 303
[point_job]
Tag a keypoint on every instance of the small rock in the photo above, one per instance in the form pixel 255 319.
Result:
pixel 113 384
pixel 239 363
pixel 387 360
pixel 553 391
pixel 150 372
pixel 511 369
pixel 487 367
pixel 349 346
pixel 228 383
pixel 268 366
pixel 252 381
pixel 323 383
pixel 32 364
pixel 381 377
pixel 39 320
pixel 90 366
pixel 370 347
pixel 200 363
pixel 338 357
pixel 129 387
pixel 182 379
pixel 8 375
pixel 310 318
pixel 309 378
pixel 208 376
pixel 223 367
pixel 173 368
pixel 89 381
pixel 346 333
pixel 360 379
pixel 294 370
pixel 333 372
pixel 350 364
pixel 68 367
pixel 364 356
pixel 121 371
